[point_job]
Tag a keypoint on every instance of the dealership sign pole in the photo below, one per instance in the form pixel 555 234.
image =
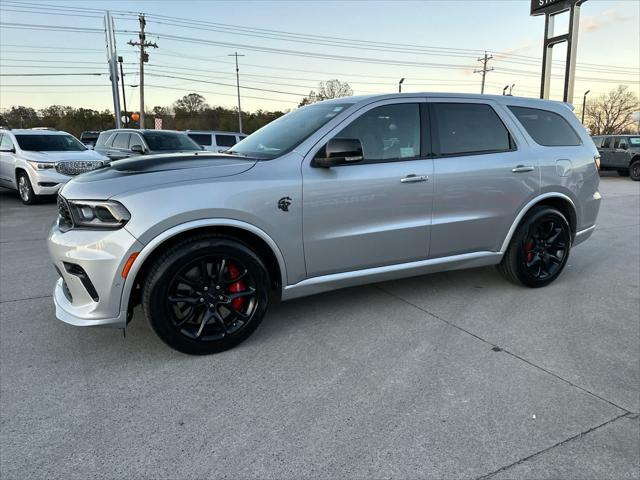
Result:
pixel 551 8
pixel 112 58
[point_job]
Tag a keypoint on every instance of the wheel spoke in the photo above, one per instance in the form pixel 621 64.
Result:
pixel 237 313
pixel 555 258
pixel 187 281
pixel 186 300
pixel 237 279
pixel 206 316
pixel 186 319
pixel 534 260
pixel 221 321
pixel 247 293
pixel 554 236
pixel 221 268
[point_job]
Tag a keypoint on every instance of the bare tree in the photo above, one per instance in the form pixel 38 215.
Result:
pixel 610 114
pixel 327 90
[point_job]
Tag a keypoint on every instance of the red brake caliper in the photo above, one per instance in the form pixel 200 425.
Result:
pixel 236 287
pixel 527 249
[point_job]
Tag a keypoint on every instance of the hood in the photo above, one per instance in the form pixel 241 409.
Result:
pixel 52 157
pixel 147 171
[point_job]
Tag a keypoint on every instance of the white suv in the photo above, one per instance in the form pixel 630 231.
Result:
pixel 38 162
pixel 213 141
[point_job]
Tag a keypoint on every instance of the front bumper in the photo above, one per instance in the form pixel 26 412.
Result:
pixel 46 182
pixel 101 255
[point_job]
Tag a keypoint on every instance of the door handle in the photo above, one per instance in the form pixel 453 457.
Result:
pixel 523 168
pixel 414 178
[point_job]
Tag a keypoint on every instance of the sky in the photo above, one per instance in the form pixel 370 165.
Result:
pixel 290 46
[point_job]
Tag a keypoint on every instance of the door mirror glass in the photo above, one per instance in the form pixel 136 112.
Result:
pixel 137 148
pixel 339 151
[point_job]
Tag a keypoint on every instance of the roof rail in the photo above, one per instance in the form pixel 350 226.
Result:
pixel 44 128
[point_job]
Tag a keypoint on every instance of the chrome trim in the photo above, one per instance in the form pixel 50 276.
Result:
pixel 324 283
pixel 524 211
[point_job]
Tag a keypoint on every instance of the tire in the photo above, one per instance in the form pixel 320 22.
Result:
pixel 623 172
pixel 25 189
pixel 206 295
pixel 634 170
pixel 539 249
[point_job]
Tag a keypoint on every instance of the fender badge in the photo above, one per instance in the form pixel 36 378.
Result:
pixel 283 204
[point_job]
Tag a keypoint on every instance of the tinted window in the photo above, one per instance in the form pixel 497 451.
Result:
pixel 546 128
pixel 5 143
pixel 607 142
pixel 121 140
pixel 203 139
pixel 170 141
pixel 620 142
pixel 634 141
pixel 285 133
pixel 389 132
pixel 464 128
pixel 135 140
pixel 226 140
pixel 49 143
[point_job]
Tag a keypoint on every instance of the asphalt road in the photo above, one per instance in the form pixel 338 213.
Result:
pixel 453 375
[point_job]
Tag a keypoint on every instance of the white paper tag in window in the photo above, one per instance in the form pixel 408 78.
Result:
pixel 407 152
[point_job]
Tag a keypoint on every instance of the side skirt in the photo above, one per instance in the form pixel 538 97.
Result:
pixel 325 283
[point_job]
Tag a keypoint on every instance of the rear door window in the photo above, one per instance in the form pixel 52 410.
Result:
pixel 620 143
pixel 5 143
pixel 225 140
pixel 121 141
pixel 546 128
pixel 203 139
pixel 607 142
pixel 468 128
pixel 135 140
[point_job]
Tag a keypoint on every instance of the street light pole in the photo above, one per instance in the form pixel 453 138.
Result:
pixel 400 85
pixel 584 104
pixel 238 87
pixel 124 99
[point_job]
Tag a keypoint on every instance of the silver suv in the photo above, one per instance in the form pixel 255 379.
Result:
pixel 339 193
pixel 37 162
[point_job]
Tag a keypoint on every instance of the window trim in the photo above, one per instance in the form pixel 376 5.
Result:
pixel 425 139
pixel 435 142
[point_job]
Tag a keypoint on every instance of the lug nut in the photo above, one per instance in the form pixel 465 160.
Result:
pixel 211 305
pixel 220 297
pixel 202 299
pixel 206 289
pixel 217 287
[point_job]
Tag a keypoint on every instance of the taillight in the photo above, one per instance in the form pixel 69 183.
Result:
pixel 596 158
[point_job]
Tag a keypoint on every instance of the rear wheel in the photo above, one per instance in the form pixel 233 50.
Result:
pixel 206 295
pixel 25 189
pixel 539 249
pixel 634 170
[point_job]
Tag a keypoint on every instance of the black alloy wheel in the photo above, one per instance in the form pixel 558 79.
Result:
pixel 206 295
pixel 634 170
pixel 539 250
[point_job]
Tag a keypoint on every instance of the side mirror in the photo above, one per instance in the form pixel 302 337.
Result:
pixel 339 151
pixel 137 149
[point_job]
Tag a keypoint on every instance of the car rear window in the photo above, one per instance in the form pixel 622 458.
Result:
pixel 546 128
pixel 226 140
pixel 49 143
pixel 203 139
pixel 468 128
pixel 635 141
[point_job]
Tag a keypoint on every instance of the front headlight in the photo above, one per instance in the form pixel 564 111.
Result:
pixel 98 214
pixel 41 165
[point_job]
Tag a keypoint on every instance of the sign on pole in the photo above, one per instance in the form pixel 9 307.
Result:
pixel 158 124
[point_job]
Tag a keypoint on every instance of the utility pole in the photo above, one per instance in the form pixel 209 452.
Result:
pixel 238 87
pixel 124 99
pixel 584 104
pixel 113 69
pixel 144 58
pixel 484 69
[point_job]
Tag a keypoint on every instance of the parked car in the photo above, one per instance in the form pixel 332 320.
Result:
pixel 89 138
pixel 124 143
pixel 620 153
pixel 39 161
pixel 339 193
pixel 215 141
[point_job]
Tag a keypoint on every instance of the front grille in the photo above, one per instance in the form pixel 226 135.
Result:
pixel 77 167
pixel 65 220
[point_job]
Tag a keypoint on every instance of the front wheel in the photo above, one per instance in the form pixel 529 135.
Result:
pixel 206 295
pixel 539 249
pixel 634 170
pixel 25 189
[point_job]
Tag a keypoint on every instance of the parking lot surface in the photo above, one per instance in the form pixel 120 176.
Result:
pixel 452 375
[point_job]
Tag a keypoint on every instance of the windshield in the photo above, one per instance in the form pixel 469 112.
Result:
pixel 170 141
pixel 287 132
pixel 49 143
